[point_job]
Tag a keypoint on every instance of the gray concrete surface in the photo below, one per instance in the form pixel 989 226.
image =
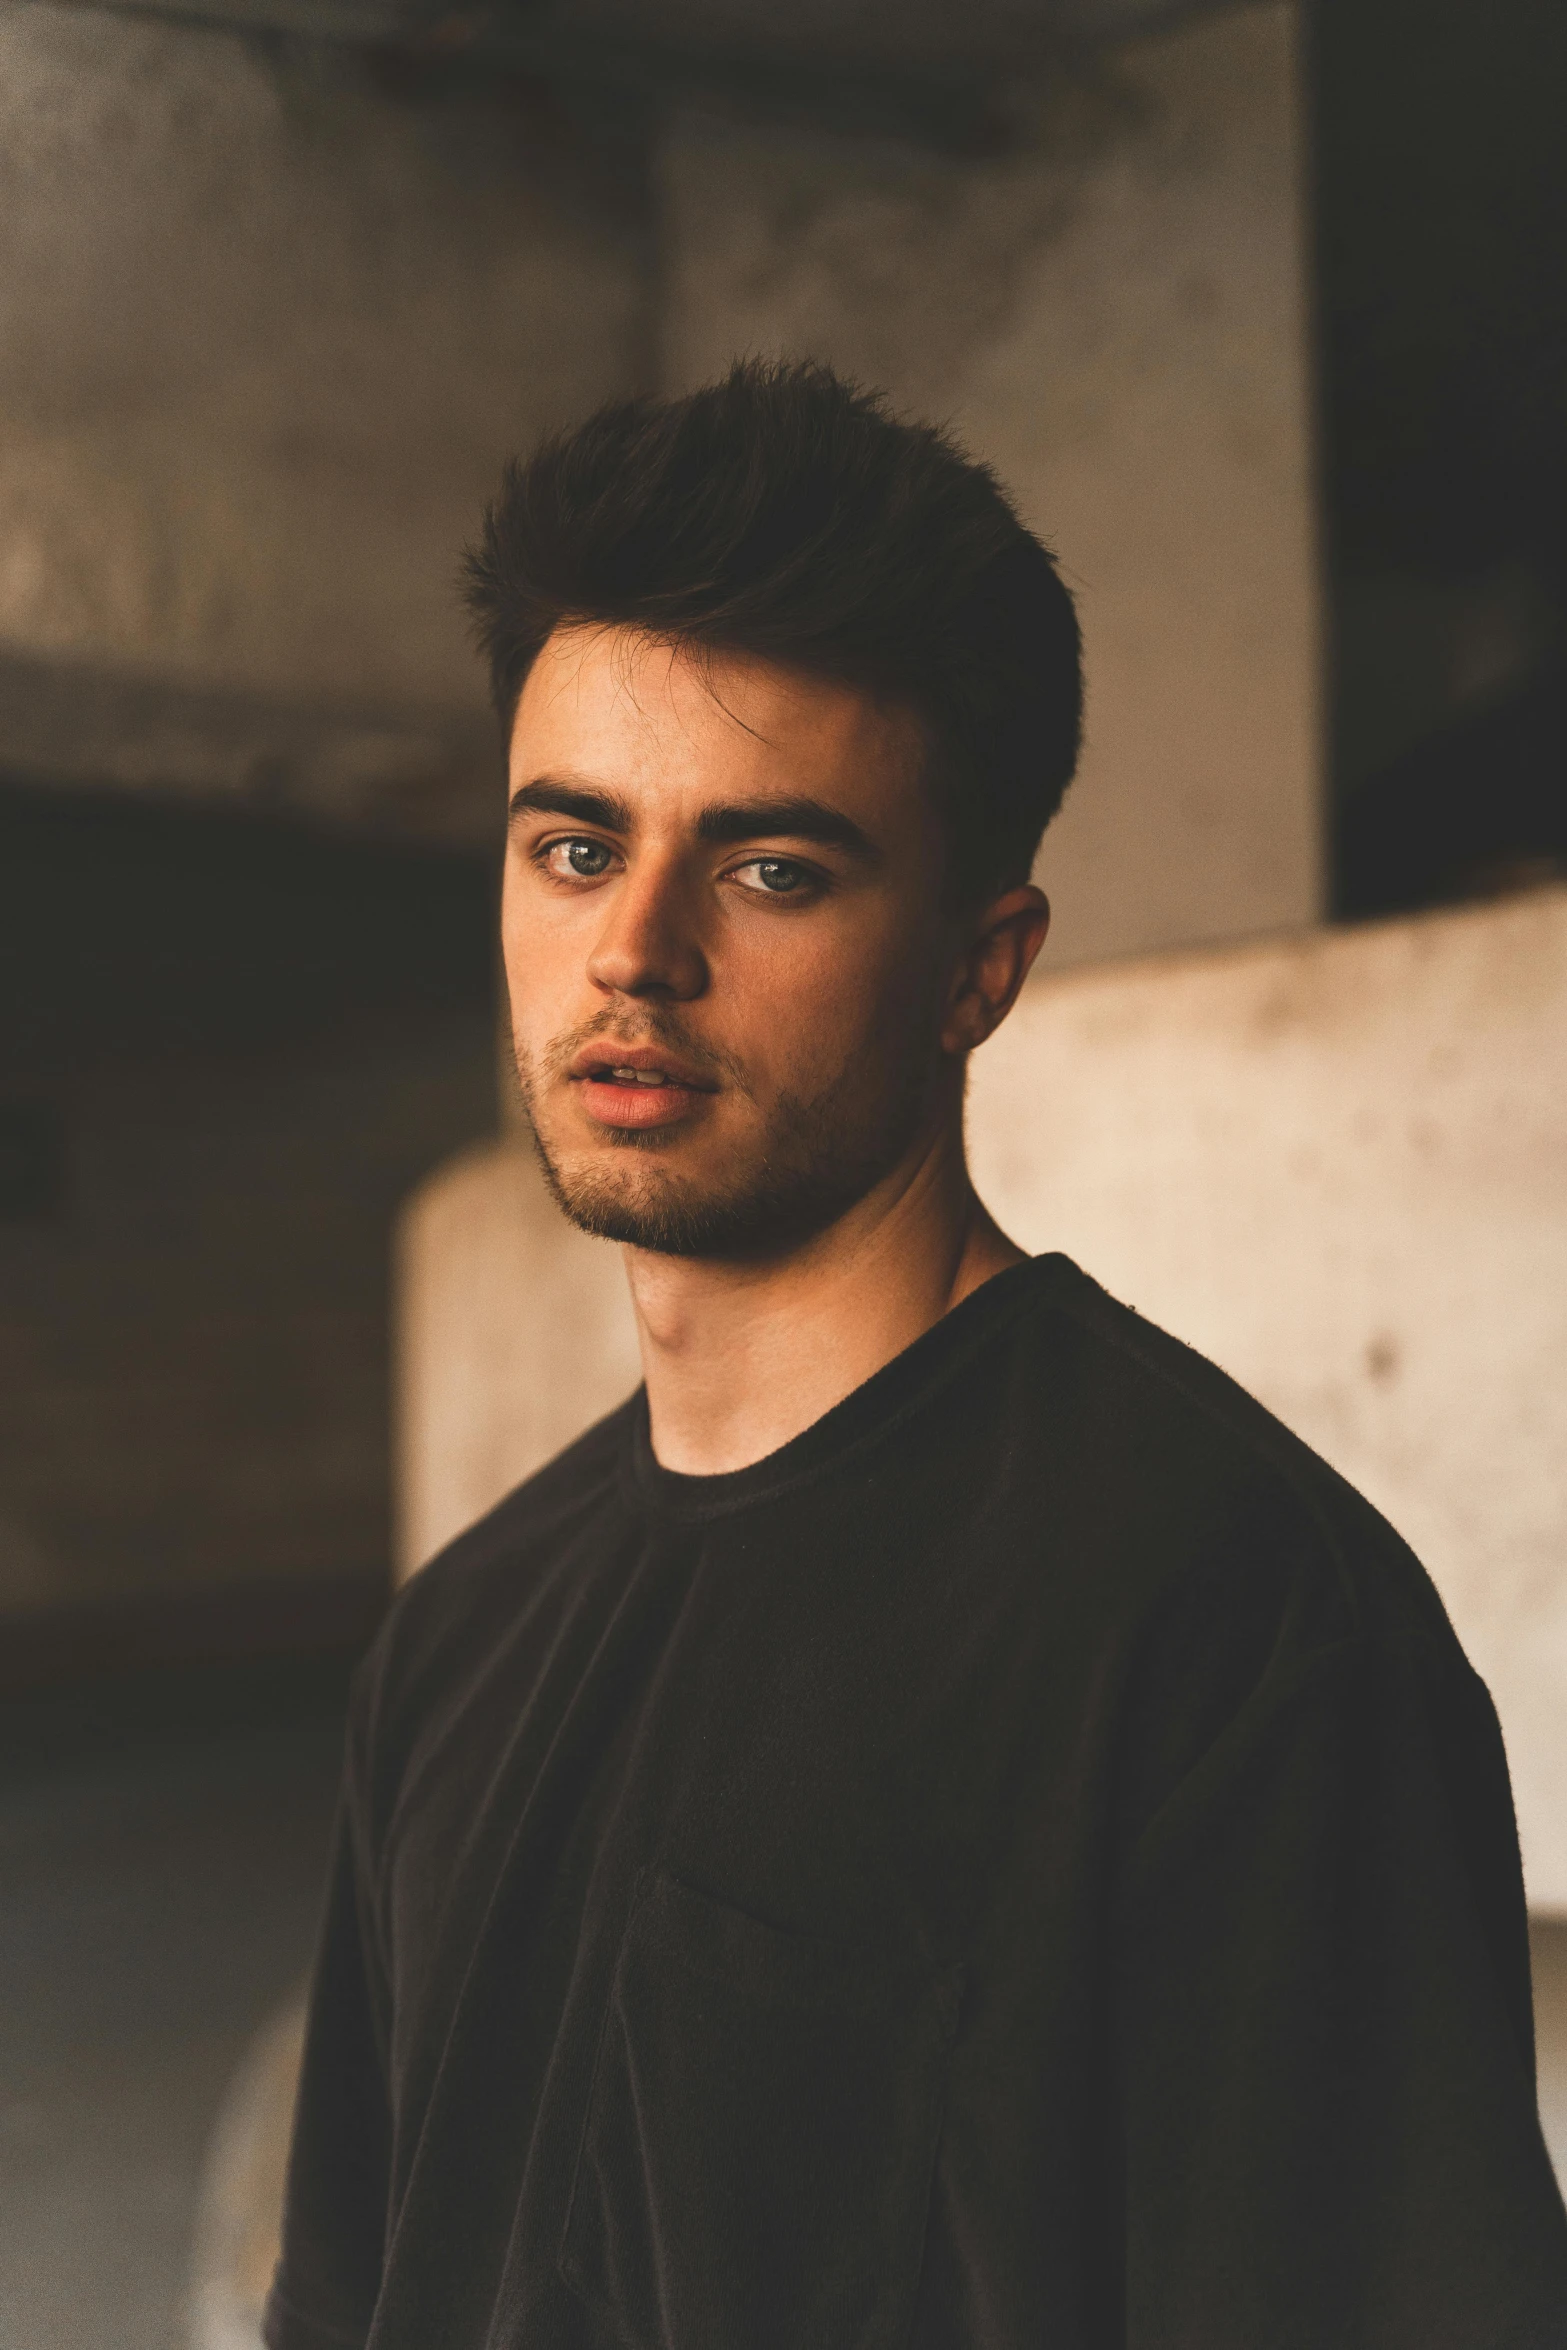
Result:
pixel 513 1333
pixel 235 2246
pixel 159 1879
pixel 1113 314
pixel 268 326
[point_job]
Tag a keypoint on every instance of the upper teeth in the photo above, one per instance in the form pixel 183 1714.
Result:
pixel 638 1076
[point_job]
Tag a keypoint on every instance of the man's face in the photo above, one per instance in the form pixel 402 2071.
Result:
pixel 724 942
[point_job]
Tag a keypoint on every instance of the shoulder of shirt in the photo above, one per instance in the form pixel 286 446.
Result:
pixel 486 1575
pixel 1372 1585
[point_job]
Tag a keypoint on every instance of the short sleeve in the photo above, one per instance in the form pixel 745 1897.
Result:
pixel 1325 2059
pixel 334 2218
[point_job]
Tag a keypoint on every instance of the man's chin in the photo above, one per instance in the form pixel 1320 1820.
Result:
pixel 627 1196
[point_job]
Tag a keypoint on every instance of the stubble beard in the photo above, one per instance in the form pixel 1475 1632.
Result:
pixel 813 1158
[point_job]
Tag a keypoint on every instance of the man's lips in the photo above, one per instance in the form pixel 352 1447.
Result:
pixel 636 1085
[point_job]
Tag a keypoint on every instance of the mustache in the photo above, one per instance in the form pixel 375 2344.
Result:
pixel 647 1025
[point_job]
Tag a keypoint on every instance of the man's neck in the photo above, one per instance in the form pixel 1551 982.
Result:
pixel 741 1357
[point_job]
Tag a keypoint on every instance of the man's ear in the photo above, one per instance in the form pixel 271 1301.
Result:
pixel 1001 947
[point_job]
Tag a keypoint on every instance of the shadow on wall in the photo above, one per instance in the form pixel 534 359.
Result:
pixel 163 1841
pixel 227 1049
pixel 1477 809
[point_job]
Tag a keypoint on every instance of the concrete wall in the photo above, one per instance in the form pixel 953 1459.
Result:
pixel 1114 315
pixel 267 330
pixel 1337 1164
pixel 513 1334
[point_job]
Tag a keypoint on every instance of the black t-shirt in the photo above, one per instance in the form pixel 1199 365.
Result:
pixel 1025 1866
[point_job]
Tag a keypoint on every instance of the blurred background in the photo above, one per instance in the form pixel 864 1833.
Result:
pixel 1261 311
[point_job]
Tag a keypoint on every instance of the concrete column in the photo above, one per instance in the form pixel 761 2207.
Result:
pixel 1114 316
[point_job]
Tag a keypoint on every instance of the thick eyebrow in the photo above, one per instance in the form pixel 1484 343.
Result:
pixel 585 803
pixel 795 819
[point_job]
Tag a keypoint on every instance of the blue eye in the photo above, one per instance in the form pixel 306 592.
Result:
pixel 778 876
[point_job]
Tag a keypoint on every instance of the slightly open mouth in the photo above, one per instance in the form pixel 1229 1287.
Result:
pixel 639 1094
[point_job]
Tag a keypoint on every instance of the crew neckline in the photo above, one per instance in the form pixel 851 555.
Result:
pixel 867 1411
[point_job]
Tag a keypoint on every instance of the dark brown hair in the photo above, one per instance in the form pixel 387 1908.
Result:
pixel 786 513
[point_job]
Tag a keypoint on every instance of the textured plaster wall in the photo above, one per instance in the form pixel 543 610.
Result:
pixel 267 328
pixel 1113 315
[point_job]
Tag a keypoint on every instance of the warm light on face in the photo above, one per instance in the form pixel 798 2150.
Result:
pixel 724 942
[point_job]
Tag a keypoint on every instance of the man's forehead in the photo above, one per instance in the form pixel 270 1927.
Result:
pixel 650 712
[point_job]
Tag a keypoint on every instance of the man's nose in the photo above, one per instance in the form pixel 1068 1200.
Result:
pixel 649 944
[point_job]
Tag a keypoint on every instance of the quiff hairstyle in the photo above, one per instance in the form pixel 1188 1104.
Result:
pixel 786 513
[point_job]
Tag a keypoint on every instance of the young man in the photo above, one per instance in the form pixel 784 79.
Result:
pixel 939 1823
